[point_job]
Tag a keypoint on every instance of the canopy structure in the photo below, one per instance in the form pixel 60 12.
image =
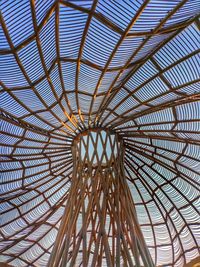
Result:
pixel 128 67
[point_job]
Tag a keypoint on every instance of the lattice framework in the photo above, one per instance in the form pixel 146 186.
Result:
pixel 99 225
pixel 130 67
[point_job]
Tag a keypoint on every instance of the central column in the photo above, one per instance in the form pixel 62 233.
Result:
pixel 99 226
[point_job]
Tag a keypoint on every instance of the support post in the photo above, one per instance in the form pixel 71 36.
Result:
pixel 99 225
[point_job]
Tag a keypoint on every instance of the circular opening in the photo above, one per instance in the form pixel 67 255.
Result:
pixel 97 147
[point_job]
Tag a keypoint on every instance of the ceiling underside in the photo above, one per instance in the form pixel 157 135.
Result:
pixel 130 66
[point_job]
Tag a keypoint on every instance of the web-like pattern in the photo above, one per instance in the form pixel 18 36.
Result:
pixel 130 66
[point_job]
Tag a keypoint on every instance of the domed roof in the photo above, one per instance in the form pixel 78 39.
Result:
pixel 128 66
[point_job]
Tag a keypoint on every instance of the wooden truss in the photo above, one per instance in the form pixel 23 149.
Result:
pixel 99 226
